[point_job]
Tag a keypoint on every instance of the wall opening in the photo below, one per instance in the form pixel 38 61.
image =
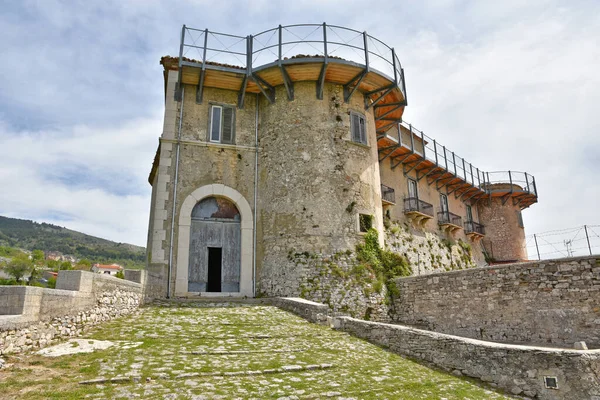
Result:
pixel 214 269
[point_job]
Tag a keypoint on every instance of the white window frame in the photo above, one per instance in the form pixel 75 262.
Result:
pixel 212 116
pixel 444 201
pixel 364 120
pixel 413 182
pixel 222 108
pixel 469 212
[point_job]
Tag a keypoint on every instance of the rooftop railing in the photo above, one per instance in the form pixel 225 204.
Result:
pixel 286 44
pixel 428 148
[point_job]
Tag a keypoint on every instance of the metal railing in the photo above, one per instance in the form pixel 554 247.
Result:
pixel 474 227
pixel 285 44
pixel 414 204
pixel 446 217
pixel 428 148
pixel 388 194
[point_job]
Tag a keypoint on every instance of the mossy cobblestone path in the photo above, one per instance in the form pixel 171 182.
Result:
pixel 229 351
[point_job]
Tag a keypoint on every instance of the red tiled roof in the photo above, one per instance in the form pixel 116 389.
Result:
pixel 113 266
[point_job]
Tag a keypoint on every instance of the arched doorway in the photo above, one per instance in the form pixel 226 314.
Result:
pixel 215 246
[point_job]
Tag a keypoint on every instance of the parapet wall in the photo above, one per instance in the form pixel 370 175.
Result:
pixel 548 302
pixel 33 317
pixel 521 370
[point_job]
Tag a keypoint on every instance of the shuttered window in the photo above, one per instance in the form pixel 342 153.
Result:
pixel 222 124
pixel 358 128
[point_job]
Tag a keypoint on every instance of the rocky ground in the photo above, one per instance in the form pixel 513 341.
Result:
pixel 225 351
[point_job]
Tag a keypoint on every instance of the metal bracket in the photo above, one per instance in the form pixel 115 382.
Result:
pixel 426 174
pixel 349 88
pixel 392 149
pixel 287 81
pixel 268 91
pixel 401 161
pixel 321 81
pixel 386 90
pixel 242 92
pixel 412 168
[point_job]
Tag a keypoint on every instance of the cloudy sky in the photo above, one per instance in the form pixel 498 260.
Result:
pixel 506 84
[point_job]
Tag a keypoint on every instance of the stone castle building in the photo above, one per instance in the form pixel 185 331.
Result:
pixel 269 149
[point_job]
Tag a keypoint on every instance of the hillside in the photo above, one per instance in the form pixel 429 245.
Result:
pixel 30 235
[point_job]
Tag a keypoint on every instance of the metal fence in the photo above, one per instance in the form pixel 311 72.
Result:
pixel 571 242
pixel 428 148
pixel 283 44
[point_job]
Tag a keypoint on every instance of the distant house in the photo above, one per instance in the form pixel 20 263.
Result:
pixel 111 269
pixel 54 255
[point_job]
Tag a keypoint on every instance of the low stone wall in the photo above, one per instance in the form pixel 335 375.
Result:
pixel 309 310
pixel 548 302
pixel 41 316
pixel 521 370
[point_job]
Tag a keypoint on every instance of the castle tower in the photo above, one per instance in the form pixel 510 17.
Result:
pixel 261 159
pixel 500 212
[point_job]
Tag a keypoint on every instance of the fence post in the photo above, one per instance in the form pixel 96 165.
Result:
pixel 588 239
pixel 536 246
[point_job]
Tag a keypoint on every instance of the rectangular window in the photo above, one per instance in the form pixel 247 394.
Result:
pixel 412 189
pixel 358 128
pixel 444 202
pixel 520 219
pixel 365 222
pixel 469 214
pixel 222 124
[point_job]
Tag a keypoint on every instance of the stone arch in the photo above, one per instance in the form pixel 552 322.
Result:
pixel 247 235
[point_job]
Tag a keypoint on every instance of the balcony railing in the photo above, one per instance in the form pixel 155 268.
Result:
pixel 442 158
pixel 388 194
pixel 412 204
pixel 446 217
pixel 474 227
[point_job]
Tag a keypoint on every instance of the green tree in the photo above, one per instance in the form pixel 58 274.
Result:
pixel 66 265
pixel 54 265
pixel 18 267
pixel 83 265
pixel 37 256
pixel 120 274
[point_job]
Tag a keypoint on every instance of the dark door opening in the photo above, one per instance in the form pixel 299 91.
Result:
pixel 215 255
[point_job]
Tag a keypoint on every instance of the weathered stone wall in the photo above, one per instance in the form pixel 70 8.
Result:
pixel 46 315
pixel 429 252
pixel 313 181
pixel 422 235
pixel 504 239
pixel 518 369
pixel 338 281
pixel 309 310
pixel 556 302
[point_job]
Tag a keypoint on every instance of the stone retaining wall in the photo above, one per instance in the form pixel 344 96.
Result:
pixel 556 302
pixel 520 370
pixel 309 310
pixel 32 317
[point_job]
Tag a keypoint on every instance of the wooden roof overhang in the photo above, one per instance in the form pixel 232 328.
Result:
pixel 472 187
pixel 380 92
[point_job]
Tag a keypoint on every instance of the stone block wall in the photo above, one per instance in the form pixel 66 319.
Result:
pixel 548 302
pixel 32 317
pixel 520 370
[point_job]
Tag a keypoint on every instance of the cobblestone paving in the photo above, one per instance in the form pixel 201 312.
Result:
pixel 228 351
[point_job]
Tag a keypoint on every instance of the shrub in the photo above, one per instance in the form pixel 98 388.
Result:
pixel 120 275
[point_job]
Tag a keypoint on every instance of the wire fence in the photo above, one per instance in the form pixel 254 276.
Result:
pixel 572 242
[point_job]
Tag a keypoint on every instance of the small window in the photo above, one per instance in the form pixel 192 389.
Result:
pixel 520 219
pixel 221 124
pixel 358 128
pixel 365 222
pixel 412 189
pixel 469 214
pixel 444 202
pixel 551 382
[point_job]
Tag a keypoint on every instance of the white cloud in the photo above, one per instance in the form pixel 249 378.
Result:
pixel 507 85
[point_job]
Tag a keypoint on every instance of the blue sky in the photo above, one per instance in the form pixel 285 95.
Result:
pixel 507 85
